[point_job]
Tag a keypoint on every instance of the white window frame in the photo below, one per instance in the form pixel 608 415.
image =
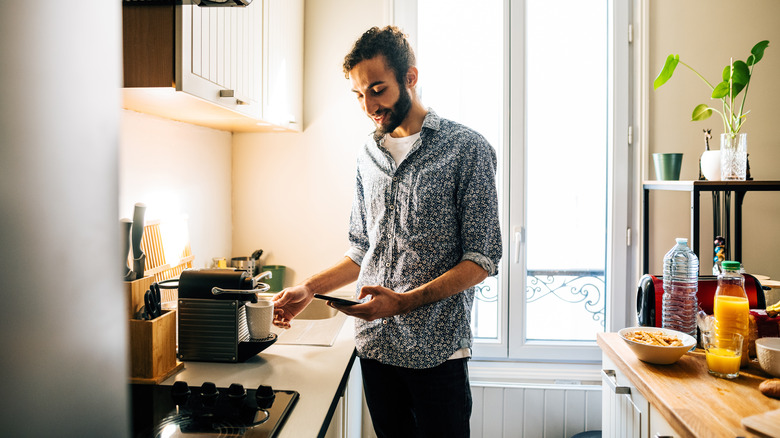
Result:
pixel 622 188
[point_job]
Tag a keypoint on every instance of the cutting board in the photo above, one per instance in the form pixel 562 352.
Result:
pixel 767 423
pixel 770 283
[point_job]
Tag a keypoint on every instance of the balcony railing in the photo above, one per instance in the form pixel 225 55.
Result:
pixel 586 287
pixel 564 286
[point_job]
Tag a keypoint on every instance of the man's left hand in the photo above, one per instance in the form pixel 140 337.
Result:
pixel 384 302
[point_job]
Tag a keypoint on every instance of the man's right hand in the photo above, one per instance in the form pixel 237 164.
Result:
pixel 289 303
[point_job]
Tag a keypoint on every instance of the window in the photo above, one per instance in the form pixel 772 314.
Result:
pixel 472 94
pixel 549 90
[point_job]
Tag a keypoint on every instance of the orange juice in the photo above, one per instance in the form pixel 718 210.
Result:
pixel 731 316
pixel 722 361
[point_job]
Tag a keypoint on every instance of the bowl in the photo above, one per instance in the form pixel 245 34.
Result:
pixel 657 354
pixel 768 352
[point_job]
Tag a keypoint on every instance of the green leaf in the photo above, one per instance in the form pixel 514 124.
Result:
pixel 741 73
pixel 736 88
pixel 701 112
pixel 740 76
pixel 757 52
pixel 720 91
pixel 666 71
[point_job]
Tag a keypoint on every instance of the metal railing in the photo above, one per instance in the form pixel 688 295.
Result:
pixel 571 286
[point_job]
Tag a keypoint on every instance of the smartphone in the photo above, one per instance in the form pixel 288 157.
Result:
pixel 334 300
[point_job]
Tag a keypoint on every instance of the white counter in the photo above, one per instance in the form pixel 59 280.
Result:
pixel 317 373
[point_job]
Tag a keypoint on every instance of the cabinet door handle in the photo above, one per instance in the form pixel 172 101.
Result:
pixel 610 377
pixel 231 93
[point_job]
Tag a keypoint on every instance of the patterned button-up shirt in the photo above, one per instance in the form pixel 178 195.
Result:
pixel 413 222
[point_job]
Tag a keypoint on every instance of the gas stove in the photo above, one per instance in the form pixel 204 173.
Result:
pixel 179 410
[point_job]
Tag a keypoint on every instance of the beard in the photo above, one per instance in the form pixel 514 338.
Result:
pixel 397 113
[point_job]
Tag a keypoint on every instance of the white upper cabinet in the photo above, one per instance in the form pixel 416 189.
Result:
pixel 219 55
pixel 233 68
pixel 283 63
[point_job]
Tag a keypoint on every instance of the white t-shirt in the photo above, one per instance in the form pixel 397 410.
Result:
pixel 399 147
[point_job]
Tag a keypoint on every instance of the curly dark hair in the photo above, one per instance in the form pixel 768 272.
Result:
pixel 390 42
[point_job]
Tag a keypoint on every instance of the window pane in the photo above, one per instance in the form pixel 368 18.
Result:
pixel 566 165
pixel 460 57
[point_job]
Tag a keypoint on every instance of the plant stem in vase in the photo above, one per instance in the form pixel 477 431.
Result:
pixel 733 157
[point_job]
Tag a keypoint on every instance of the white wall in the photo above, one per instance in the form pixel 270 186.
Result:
pixel 706 33
pixel 179 169
pixel 293 192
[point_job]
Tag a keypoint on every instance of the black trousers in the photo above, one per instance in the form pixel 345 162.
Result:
pixel 406 402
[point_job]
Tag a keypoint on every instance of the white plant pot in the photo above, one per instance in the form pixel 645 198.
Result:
pixel 710 165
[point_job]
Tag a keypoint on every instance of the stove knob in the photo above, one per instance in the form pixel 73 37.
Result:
pixel 180 389
pixel 236 391
pixel 180 392
pixel 264 396
pixel 209 390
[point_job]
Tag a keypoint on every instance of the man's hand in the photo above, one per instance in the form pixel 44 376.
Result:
pixel 289 303
pixel 383 303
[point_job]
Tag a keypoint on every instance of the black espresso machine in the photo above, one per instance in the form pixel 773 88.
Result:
pixel 212 317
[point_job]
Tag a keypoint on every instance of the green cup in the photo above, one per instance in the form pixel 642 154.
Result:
pixel 667 166
pixel 276 281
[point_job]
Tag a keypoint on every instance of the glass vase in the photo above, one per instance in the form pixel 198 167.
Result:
pixel 733 157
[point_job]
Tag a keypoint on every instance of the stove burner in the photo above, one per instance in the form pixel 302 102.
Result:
pixel 179 410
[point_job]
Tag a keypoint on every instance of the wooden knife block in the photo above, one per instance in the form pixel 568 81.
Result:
pixel 135 294
pixel 153 348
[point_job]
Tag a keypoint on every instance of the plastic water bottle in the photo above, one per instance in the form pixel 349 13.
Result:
pixel 681 282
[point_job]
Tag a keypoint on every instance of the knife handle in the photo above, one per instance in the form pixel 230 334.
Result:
pixel 125 225
pixel 138 230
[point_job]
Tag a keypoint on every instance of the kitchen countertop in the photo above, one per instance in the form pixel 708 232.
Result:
pixel 692 401
pixel 318 373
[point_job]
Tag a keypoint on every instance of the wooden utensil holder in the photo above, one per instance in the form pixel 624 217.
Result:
pixel 153 348
pixel 135 294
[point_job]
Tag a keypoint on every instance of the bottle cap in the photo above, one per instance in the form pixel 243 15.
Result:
pixel 731 265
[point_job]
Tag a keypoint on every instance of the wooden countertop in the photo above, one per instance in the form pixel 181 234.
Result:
pixel 693 402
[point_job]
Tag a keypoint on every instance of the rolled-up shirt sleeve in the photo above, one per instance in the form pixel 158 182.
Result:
pixel 484 262
pixel 478 206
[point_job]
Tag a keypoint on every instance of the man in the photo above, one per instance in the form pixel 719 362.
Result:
pixel 423 231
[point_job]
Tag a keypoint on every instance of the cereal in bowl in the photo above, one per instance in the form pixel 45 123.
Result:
pixel 654 338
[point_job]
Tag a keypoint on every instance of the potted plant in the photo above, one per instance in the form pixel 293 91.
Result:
pixel 735 79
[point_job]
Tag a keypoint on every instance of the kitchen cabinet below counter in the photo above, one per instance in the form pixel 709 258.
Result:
pixel 319 374
pixel 682 396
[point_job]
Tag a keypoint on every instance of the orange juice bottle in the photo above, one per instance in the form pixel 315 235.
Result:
pixel 731 306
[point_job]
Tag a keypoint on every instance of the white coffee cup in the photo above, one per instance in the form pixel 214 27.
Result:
pixel 259 316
